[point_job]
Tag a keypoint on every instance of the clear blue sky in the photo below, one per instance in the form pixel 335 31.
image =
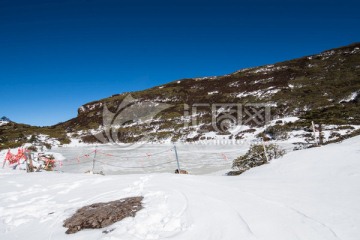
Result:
pixel 58 55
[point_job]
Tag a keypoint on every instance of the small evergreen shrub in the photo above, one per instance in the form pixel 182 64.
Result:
pixel 256 157
pixel 47 145
pixel 32 148
pixel 278 132
pixel 33 139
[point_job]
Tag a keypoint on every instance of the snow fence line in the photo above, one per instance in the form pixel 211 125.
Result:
pixel 113 160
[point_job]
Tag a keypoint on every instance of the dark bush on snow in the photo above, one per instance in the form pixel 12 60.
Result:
pixel 256 157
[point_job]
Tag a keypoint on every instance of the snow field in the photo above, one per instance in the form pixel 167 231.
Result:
pixel 307 194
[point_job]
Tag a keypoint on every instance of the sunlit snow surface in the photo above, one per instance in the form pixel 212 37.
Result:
pixel 311 194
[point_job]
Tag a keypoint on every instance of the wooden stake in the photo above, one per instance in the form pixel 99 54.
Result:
pixel 31 166
pixel 321 136
pixel 313 126
pixel 265 153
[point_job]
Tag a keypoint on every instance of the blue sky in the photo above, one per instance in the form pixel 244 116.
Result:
pixel 58 55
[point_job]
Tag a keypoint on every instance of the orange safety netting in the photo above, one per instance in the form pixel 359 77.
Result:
pixel 15 158
pixel 47 161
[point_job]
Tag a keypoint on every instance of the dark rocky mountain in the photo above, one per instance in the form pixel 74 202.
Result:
pixel 324 88
pixel 5 119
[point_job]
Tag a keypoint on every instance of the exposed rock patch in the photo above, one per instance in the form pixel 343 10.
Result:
pixel 181 171
pixel 99 215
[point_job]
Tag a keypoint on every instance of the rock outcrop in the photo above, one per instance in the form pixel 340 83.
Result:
pixel 99 215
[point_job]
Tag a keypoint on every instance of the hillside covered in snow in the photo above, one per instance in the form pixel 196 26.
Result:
pixel 324 88
pixel 312 194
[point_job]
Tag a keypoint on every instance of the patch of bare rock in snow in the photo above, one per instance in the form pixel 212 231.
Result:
pixel 100 215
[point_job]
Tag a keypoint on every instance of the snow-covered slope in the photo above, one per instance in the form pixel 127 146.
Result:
pixel 308 194
pixel 3 122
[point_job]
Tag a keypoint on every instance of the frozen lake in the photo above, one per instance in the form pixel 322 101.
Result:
pixel 196 158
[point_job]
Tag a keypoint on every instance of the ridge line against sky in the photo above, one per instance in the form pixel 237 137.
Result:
pixel 57 55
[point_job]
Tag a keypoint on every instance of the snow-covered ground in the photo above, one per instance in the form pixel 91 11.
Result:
pixel 307 194
pixel 2 122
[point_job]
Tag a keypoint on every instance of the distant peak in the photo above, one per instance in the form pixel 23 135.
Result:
pixel 5 119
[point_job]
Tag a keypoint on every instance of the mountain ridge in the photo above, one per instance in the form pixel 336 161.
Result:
pixel 247 72
pixel 347 47
pixel 322 87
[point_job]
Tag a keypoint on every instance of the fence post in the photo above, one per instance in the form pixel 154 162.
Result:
pixel 177 158
pixel 313 126
pixel 5 160
pixel 266 156
pixel 93 167
pixel 321 136
pixel 30 166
